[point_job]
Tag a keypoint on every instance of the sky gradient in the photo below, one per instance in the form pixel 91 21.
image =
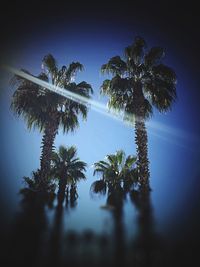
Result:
pixel 174 146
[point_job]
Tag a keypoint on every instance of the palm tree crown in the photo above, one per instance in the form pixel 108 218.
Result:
pixel 66 165
pixel 140 77
pixel 67 168
pixel 117 170
pixel 36 103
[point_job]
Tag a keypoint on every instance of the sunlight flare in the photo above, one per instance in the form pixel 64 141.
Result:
pixel 95 105
pixel 125 118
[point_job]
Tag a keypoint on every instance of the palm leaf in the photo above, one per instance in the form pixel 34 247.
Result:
pixel 135 51
pixel 130 160
pixel 98 187
pixel 51 65
pixel 72 70
pixel 154 56
pixel 115 66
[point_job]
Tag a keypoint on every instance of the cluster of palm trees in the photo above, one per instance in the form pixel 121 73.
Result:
pixel 139 82
pixel 47 110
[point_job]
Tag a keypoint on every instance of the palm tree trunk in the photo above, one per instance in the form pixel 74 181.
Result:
pixel 48 138
pixel 141 141
pixel 61 190
pixel 73 196
pixel 148 245
pixel 119 237
pixel 141 138
pixel 54 257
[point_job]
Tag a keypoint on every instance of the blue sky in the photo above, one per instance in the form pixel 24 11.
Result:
pixel 173 146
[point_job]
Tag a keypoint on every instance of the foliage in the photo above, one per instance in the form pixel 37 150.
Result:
pixel 36 103
pixel 66 165
pixel 117 172
pixel 140 68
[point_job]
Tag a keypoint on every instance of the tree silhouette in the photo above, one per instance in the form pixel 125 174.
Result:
pixel 68 169
pixel 140 82
pixel 119 176
pixel 117 170
pixel 47 110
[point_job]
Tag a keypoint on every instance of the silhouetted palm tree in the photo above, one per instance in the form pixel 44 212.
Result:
pixel 68 170
pixel 139 82
pixel 116 171
pixel 119 175
pixel 46 110
pixel 32 183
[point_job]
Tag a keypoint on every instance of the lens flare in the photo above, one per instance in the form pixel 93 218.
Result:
pixel 113 114
pixel 95 105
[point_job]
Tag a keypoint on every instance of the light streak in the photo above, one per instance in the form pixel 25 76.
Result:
pixel 95 105
pixel 106 111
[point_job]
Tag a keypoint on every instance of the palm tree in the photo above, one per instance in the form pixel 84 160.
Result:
pixel 118 177
pixel 140 81
pixel 118 172
pixel 68 170
pixel 47 110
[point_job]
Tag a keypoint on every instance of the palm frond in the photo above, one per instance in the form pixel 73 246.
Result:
pixel 162 93
pixel 130 160
pixel 100 167
pixel 165 73
pixel 84 89
pixel 154 56
pixel 50 64
pixel 105 87
pixel 135 51
pixel 115 66
pixel 112 159
pixel 69 120
pixel 116 168
pixel 77 164
pixel 66 164
pixel 120 156
pixel 99 187
pixel 72 70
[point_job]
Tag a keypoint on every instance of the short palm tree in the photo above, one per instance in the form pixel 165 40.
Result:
pixel 118 174
pixel 140 82
pixel 118 177
pixel 47 110
pixel 67 168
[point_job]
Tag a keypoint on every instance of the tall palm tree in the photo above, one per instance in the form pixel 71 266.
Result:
pixel 67 168
pixel 140 81
pixel 47 110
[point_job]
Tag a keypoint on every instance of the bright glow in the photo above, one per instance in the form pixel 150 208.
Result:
pixel 103 109
pixel 95 105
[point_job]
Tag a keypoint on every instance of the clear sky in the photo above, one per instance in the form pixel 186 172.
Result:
pixel 174 146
